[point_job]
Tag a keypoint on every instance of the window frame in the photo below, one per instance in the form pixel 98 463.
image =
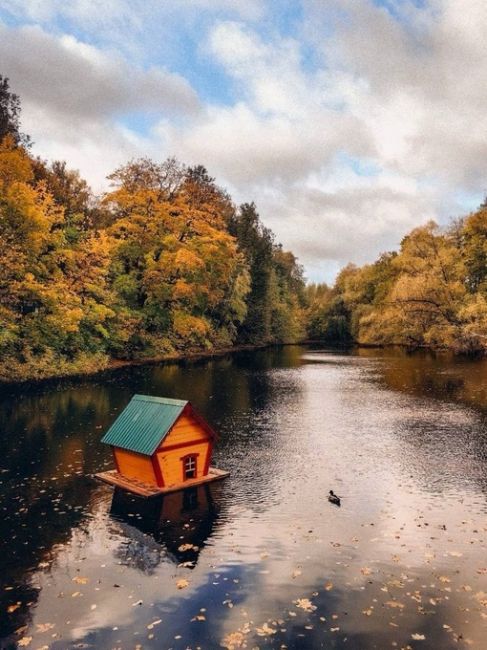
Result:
pixel 190 458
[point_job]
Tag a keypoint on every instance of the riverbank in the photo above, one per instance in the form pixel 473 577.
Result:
pixel 64 372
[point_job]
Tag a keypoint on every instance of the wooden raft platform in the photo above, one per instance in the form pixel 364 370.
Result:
pixel 145 490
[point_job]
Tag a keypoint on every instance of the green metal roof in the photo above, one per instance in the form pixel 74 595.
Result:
pixel 143 423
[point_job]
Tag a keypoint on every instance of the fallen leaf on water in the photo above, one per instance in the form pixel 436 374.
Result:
pixel 306 604
pixel 24 641
pixel 199 617
pixel 444 579
pixel 182 584
pixel 233 640
pixel 44 627
pixel 367 612
pixel 329 586
pixel 154 623
pixel 265 630
pixel 80 581
pixel 296 573
pixel 418 637
pixel 12 608
pixel 394 603
pixel 366 571
pixel 481 597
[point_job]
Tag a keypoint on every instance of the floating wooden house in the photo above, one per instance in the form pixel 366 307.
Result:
pixel 160 445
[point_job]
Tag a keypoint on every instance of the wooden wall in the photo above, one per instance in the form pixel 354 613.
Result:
pixel 134 465
pixel 187 436
pixel 171 463
pixel 187 429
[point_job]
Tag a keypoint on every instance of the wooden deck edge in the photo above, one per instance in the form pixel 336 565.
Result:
pixel 112 477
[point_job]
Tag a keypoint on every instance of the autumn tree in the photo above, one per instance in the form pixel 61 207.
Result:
pixel 53 303
pixel 175 268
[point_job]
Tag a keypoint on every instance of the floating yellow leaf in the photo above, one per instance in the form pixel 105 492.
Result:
pixel 182 584
pixel 44 627
pixel 233 641
pixel 394 603
pixel 306 604
pixel 265 630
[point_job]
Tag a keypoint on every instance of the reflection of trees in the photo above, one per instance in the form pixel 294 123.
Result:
pixel 50 440
pixel 47 444
pixel 452 442
pixel 175 525
pixel 439 375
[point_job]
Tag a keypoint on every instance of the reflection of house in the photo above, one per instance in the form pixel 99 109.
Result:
pixel 160 445
pixel 178 523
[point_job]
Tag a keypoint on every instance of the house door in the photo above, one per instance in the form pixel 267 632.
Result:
pixel 189 467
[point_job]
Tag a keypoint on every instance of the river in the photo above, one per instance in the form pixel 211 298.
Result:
pixel 401 564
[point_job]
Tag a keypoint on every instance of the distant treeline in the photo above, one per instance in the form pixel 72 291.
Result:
pixel 163 263
pixel 432 293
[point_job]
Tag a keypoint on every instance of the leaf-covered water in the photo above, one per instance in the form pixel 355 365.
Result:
pixel 261 559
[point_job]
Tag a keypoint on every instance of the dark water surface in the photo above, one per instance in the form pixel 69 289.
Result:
pixel 402 564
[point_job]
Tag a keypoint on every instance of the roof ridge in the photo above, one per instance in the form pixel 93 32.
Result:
pixel 161 400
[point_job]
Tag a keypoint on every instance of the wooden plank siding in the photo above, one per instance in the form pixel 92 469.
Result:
pixel 185 430
pixel 171 463
pixel 134 466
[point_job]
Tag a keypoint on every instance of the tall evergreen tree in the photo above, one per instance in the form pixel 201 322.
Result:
pixel 10 115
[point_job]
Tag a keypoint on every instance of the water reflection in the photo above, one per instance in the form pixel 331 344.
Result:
pixel 176 525
pixel 266 558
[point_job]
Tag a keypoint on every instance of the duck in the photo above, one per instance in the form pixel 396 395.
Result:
pixel 333 498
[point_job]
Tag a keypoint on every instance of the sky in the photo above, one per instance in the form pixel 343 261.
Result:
pixel 348 122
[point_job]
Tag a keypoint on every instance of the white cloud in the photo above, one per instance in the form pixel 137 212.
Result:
pixel 76 79
pixel 405 93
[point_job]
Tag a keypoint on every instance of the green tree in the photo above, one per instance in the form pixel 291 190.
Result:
pixel 10 115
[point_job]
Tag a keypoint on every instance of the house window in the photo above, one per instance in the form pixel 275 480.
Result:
pixel 189 464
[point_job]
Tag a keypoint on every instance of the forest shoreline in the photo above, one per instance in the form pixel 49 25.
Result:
pixel 195 355
pixel 118 364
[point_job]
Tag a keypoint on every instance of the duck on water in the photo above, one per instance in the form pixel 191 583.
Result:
pixel 333 498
